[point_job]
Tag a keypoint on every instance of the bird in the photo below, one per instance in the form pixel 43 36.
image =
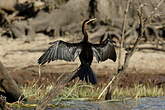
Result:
pixel 85 50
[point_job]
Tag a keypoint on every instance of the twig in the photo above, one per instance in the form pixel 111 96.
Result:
pixel 120 50
pixel 123 33
pixel 121 69
pixel 141 30
pixel 154 11
pixel 53 92
pixel 111 81
pixel 39 76
pixel 70 92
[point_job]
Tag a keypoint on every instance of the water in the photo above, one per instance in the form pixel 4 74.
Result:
pixel 146 103
pixel 150 104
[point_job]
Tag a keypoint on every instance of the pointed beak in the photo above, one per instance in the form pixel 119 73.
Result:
pixel 90 20
pixel 114 42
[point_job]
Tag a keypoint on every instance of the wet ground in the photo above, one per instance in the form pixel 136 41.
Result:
pixel 50 73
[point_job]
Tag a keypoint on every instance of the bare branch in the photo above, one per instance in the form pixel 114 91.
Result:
pixel 120 50
pixel 153 13
pixel 123 33
pixel 142 22
pixel 57 88
pixel 140 35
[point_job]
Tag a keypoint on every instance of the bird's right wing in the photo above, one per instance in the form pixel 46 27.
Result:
pixel 105 51
pixel 60 50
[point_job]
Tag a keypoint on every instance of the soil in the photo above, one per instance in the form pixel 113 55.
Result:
pixel 20 57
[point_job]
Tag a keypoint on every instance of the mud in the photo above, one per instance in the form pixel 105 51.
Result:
pixel 145 67
pixel 50 74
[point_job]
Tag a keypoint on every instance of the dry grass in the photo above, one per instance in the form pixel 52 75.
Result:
pixel 34 93
pixel 83 92
pixel 138 91
pixel 80 91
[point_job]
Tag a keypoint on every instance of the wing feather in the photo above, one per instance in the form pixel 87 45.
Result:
pixel 60 50
pixel 103 52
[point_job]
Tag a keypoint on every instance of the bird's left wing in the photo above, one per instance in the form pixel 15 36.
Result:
pixel 60 50
pixel 103 52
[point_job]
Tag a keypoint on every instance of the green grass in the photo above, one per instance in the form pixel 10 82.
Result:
pixel 138 91
pixel 35 92
pixel 81 91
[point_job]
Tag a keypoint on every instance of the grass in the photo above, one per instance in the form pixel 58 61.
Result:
pixel 83 91
pixel 138 91
pixel 80 91
pixel 35 92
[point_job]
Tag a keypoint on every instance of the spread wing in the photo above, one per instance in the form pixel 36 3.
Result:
pixel 60 50
pixel 103 52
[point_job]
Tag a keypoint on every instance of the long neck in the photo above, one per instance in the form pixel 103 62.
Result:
pixel 84 32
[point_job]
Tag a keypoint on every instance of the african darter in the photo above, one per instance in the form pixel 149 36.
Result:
pixel 60 50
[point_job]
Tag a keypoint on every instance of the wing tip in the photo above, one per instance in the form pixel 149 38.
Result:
pixel 114 59
pixel 41 61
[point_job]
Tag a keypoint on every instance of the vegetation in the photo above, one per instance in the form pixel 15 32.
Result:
pixel 80 91
pixel 138 91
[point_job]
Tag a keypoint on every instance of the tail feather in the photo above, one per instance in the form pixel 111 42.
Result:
pixel 84 72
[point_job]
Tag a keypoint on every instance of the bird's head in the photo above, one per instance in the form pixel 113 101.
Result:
pixel 84 28
pixel 88 21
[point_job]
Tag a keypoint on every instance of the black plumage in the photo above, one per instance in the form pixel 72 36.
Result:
pixel 60 50
pixel 108 39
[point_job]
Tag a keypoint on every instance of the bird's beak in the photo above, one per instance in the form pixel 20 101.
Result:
pixel 90 20
pixel 114 42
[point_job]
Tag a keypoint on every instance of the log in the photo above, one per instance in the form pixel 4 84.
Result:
pixel 11 90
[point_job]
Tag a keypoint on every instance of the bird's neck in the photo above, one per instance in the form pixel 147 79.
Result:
pixel 84 33
pixel 85 38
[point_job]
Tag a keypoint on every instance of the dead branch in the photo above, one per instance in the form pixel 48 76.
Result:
pixel 123 33
pixel 141 28
pixel 153 13
pixel 121 69
pixel 150 48
pixel 120 50
pixel 12 92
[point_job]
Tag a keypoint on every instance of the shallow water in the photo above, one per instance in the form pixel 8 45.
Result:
pixel 146 103
pixel 149 104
